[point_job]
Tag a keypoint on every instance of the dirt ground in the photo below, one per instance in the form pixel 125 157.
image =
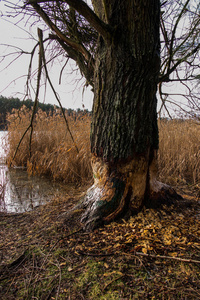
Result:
pixel 153 255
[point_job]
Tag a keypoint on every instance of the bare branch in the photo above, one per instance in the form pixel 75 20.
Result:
pixel 165 78
pixel 30 126
pixel 78 47
pixel 86 69
pixel 173 34
pixel 52 87
pixel 82 8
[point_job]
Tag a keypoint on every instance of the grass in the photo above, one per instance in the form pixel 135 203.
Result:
pixel 54 153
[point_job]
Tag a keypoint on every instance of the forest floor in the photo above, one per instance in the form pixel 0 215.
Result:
pixel 153 255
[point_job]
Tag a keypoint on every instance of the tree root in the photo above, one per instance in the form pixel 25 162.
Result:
pixel 121 191
pixel 161 194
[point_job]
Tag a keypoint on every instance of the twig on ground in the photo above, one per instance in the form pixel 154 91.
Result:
pixel 95 254
pixel 168 257
pixel 109 283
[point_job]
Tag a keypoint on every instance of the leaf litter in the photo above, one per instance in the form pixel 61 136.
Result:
pixel 153 255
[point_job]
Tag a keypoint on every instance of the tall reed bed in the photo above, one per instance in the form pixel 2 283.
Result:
pixel 54 153
pixel 179 151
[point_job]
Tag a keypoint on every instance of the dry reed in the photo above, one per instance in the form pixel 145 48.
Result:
pixel 54 154
pixel 179 151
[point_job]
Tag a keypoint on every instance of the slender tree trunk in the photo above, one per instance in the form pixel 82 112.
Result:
pixel 124 132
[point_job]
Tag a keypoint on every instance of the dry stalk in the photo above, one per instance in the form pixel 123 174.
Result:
pixel 168 257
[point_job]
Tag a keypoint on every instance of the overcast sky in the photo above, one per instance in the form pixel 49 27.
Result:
pixel 13 76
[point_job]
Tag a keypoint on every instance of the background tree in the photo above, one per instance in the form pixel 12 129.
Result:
pixel 8 104
pixel 180 45
pixel 117 49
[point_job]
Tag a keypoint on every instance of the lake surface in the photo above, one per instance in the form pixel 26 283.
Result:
pixel 20 192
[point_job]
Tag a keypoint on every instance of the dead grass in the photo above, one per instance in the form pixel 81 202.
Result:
pixel 179 151
pixel 54 154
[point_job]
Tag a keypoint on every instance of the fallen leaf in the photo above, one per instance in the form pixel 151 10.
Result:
pixel 173 254
pixel 106 265
pixel 144 250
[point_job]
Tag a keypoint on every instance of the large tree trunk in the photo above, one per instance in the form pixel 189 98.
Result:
pixel 124 132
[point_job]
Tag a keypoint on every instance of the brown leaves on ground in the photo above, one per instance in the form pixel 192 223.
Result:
pixel 172 231
pixel 153 255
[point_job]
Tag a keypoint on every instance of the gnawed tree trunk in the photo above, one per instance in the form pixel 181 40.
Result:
pixel 124 74
pixel 124 132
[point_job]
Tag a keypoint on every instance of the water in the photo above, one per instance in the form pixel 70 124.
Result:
pixel 3 135
pixel 20 192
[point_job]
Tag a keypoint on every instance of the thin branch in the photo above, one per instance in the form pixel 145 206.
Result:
pixel 173 35
pixel 17 48
pixel 165 77
pixel 187 37
pixel 86 68
pixel 164 32
pixel 163 101
pixel 29 69
pixel 168 257
pixel 141 254
pixel 55 94
pixel 77 46
pixel 19 144
pixel 35 102
pixel 82 8
pixel 63 70
pixel 40 37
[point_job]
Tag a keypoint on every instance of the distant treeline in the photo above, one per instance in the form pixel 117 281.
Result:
pixel 8 104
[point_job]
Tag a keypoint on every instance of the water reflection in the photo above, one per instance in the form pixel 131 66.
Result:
pixel 3 139
pixel 18 191
pixel 22 193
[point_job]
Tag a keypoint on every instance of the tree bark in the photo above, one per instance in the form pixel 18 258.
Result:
pixel 125 83
pixel 124 132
